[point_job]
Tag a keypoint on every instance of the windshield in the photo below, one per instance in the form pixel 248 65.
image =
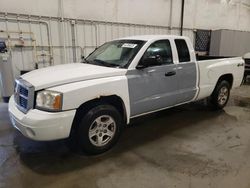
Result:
pixel 117 53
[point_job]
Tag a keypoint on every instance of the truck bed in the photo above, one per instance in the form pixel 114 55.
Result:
pixel 210 69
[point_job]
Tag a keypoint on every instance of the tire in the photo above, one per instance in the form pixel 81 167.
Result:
pixel 220 95
pixel 99 129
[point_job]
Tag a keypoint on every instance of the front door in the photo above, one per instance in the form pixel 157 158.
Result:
pixel 156 86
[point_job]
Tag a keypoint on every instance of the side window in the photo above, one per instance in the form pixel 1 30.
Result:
pixel 161 50
pixel 182 50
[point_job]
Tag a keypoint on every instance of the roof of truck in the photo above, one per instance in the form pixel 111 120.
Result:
pixel 152 37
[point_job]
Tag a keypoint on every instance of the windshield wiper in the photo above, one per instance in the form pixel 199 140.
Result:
pixel 84 60
pixel 105 63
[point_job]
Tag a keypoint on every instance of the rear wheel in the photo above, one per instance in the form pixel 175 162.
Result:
pixel 99 129
pixel 220 95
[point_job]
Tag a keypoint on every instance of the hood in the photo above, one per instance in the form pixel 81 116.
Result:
pixel 68 73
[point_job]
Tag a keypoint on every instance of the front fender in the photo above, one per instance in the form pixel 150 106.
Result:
pixel 77 93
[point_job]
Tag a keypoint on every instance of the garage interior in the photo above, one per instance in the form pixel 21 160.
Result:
pixel 185 146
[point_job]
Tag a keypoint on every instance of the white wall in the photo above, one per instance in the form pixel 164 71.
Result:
pixel 209 14
pixel 218 14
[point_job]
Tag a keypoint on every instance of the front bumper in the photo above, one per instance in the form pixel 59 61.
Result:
pixel 41 125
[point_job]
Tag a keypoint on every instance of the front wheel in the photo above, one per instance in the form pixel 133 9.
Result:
pixel 220 95
pixel 99 129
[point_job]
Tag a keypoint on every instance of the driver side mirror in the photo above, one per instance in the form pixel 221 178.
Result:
pixel 149 61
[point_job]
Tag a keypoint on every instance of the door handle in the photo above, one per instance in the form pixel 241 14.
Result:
pixel 171 73
pixel 240 64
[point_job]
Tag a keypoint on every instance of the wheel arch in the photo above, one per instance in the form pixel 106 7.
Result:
pixel 227 77
pixel 113 100
pixel 215 96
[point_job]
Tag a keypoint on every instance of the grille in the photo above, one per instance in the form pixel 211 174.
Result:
pixel 24 95
pixel 23 102
pixel 23 91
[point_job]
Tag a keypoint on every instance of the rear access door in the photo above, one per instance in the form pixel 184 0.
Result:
pixel 187 72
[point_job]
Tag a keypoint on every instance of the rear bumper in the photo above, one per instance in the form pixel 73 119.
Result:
pixel 41 125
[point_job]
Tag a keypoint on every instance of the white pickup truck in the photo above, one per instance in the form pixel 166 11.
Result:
pixel 122 79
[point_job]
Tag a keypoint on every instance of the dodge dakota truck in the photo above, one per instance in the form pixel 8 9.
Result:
pixel 91 101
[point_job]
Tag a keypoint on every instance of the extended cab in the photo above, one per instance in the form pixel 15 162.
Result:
pixel 122 79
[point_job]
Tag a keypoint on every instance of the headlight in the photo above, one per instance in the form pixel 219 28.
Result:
pixel 49 100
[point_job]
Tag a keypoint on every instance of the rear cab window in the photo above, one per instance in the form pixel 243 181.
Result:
pixel 182 50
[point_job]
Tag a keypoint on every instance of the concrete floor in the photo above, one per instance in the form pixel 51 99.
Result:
pixel 188 146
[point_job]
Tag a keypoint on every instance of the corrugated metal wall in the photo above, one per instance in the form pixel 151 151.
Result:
pixel 45 41
pixel 50 41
